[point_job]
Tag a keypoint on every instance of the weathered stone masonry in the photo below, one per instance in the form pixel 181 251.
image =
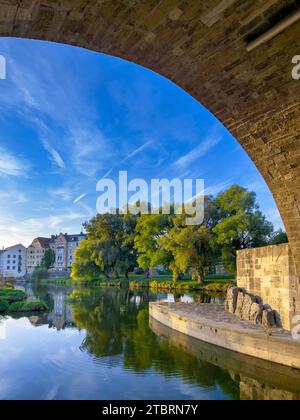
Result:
pixel 269 272
pixel 201 46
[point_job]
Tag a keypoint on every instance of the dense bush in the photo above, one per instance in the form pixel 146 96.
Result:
pixel 139 284
pixel 4 305
pixel 168 285
pixel 12 295
pixel 218 287
pixel 179 285
pixel 30 306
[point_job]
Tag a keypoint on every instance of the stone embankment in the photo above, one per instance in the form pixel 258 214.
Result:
pixel 251 308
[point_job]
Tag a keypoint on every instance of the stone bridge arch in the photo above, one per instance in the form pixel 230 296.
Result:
pixel 202 47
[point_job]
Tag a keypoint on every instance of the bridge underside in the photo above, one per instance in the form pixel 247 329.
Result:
pixel 201 46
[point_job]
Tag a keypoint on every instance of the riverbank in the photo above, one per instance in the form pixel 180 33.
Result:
pixel 12 300
pixel 212 324
pixel 164 283
pixel 215 284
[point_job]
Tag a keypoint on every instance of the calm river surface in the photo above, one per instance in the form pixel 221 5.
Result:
pixel 99 345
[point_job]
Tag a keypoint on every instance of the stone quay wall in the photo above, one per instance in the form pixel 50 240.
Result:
pixel 270 273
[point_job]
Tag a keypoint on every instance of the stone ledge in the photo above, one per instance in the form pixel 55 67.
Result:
pixel 212 324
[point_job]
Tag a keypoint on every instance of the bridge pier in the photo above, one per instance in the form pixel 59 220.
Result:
pixel 270 273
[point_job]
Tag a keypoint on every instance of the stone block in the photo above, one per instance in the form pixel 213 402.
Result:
pixel 268 318
pixel 231 300
pixel 255 316
pixel 249 299
pixel 239 303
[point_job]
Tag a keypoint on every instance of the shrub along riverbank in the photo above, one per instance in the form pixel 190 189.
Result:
pixel 214 284
pixel 12 300
pixel 182 286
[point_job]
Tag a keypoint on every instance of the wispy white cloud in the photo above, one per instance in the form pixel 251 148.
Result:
pixel 108 173
pixel 13 196
pixel 198 152
pixel 89 149
pixel 58 220
pixel 257 186
pixel 79 198
pixel 14 230
pixel 63 193
pixel 218 187
pixel 272 214
pixel 212 190
pixel 54 155
pixel 11 165
pixel 138 150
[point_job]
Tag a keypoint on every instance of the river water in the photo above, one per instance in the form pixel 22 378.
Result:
pixel 99 344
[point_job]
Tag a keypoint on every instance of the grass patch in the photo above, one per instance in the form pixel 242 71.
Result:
pixel 4 306
pixel 12 295
pixel 219 278
pixel 12 300
pixel 30 306
pixel 217 287
pixel 168 285
pixel 189 286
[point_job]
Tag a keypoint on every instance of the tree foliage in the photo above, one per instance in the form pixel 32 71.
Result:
pixel 109 248
pixel 189 247
pixel 119 243
pixel 149 229
pixel 240 224
pixel 48 259
pixel 279 237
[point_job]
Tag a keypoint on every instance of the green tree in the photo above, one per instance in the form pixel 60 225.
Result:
pixel 48 259
pixel 108 249
pixel 240 224
pixel 149 229
pixel 88 264
pixel 190 249
pixel 279 237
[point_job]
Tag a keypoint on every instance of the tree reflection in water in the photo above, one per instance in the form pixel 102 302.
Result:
pixel 117 323
pixel 117 331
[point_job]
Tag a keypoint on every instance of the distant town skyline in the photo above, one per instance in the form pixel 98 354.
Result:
pixel 70 117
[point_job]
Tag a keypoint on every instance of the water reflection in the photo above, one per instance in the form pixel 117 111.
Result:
pixel 257 379
pixel 113 348
pixel 60 315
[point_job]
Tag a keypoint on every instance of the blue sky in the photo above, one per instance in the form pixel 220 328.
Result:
pixel 71 116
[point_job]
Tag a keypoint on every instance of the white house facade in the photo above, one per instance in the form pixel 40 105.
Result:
pixel 13 262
